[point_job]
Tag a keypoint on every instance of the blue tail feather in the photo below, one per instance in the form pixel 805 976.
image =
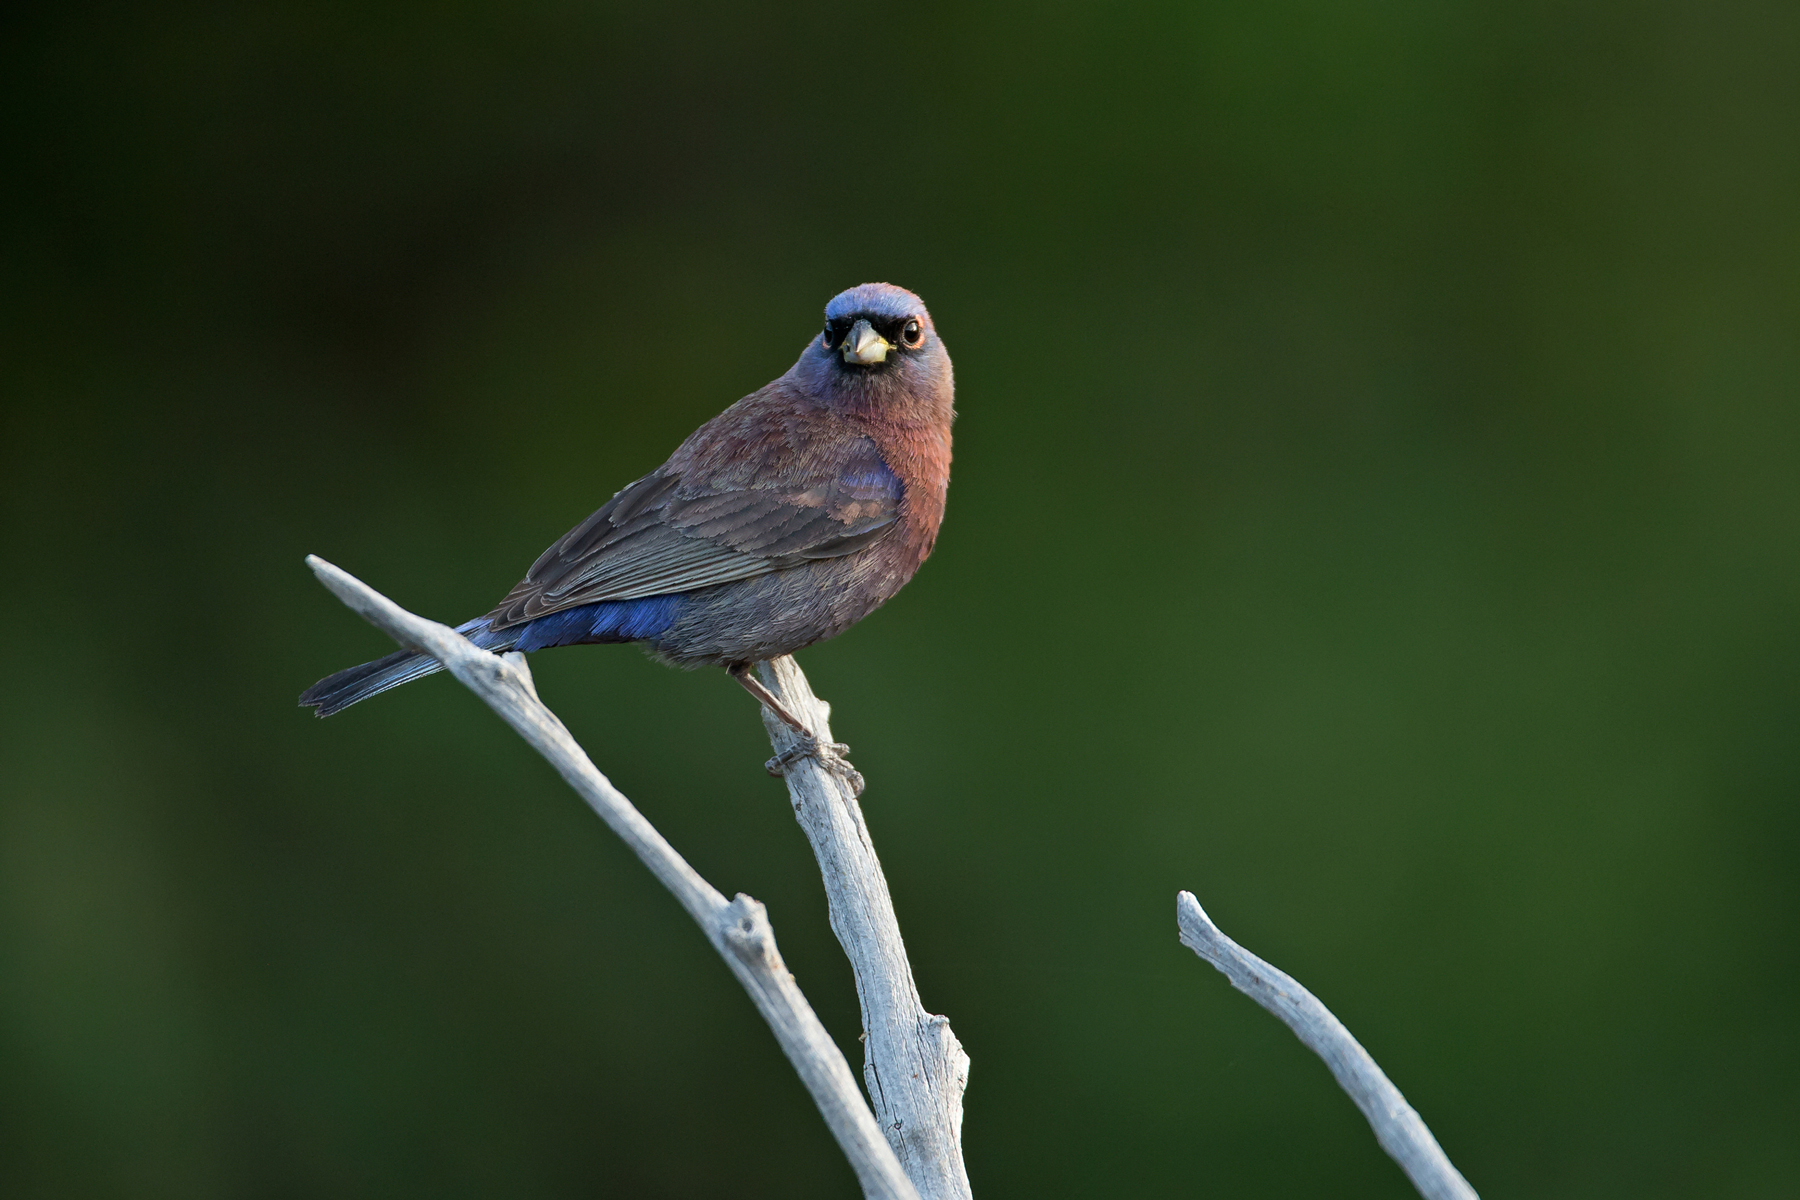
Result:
pixel 607 621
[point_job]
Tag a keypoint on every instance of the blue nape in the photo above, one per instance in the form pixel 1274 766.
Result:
pixel 607 621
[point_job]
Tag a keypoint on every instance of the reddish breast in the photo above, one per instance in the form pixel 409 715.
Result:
pixel 920 456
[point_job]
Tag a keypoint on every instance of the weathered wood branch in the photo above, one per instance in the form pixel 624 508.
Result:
pixel 1397 1126
pixel 915 1068
pixel 738 929
pixel 910 1148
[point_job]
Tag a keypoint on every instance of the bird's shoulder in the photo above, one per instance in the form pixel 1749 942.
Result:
pixel 773 439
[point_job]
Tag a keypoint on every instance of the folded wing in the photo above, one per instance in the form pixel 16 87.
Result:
pixel 662 535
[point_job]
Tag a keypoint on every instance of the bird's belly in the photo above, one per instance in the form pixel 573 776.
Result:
pixel 771 615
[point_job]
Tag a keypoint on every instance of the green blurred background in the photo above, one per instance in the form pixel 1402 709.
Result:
pixel 1376 508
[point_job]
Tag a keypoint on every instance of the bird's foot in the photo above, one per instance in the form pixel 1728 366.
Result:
pixel 833 756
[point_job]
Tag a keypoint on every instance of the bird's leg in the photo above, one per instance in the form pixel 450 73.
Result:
pixel 830 755
pixel 753 685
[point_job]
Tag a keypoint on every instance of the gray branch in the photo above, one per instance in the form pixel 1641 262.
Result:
pixel 738 929
pixel 915 1068
pixel 1397 1126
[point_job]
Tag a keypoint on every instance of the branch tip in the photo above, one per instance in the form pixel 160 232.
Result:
pixel 1396 1124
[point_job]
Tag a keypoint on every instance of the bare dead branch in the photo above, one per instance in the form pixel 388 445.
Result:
pixel 915 1068
pixel 739 929
pixel 1397 1126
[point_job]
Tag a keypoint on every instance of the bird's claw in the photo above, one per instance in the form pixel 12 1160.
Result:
pixel 833 756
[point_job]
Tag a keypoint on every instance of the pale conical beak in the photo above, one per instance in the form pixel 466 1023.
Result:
pixel 864 347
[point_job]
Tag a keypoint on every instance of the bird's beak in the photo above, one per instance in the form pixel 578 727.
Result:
pixel 864 347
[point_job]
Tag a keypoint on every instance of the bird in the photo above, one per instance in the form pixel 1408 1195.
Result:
pixel 781 522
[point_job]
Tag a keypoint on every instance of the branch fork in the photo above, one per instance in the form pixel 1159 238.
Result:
pixel 739 929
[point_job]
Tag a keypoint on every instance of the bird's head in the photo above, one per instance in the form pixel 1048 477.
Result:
pixel 878 345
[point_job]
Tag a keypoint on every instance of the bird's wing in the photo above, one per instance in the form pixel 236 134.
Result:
pixel 660 535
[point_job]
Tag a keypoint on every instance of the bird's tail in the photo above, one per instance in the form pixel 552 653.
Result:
pixel 335 693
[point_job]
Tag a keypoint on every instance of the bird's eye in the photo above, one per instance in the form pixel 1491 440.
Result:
pixel 826 339
pixel 912 335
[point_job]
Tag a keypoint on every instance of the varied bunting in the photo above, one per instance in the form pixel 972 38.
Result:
pixel 781 522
